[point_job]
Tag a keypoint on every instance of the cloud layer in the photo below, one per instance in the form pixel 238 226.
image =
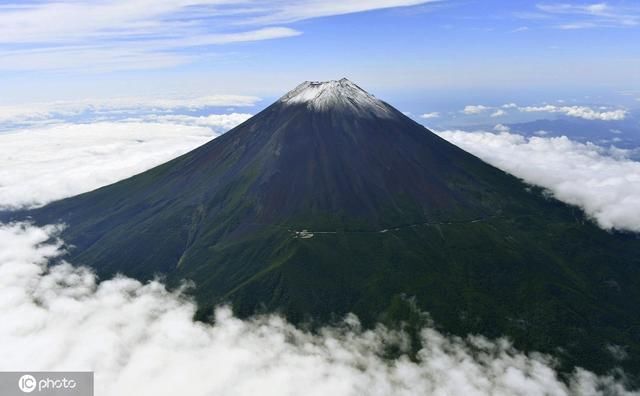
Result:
pixel 44 164
pixel 604 182
pixel 578 111
pixel 48 112
pixel 140 339
pixel 218 122
pixel 585 112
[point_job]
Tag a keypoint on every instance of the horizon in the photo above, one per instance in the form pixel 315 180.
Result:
pixel 397 48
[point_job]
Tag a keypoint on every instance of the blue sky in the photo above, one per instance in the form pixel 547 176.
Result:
pixel 423 56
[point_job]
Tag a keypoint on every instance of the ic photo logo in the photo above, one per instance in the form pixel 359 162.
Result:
pixel 27 383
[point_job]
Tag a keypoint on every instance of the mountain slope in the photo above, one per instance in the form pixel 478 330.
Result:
pixel 331 201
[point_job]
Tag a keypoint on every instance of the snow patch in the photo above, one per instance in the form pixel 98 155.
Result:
pixel 337 95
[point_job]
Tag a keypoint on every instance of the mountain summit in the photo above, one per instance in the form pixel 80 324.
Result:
pixel 342 95
pixel 331 201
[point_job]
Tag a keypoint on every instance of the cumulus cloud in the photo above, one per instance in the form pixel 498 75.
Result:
pixel 140 339
pixel 44 164
pixel 475 109
pixel 602 113
pixel 604 182
pixel 498 113
pixel 579 111
pixel 427 116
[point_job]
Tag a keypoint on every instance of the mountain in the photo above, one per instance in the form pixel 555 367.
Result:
pixel 331 201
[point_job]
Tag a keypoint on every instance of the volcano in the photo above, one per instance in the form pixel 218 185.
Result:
pixel 332 201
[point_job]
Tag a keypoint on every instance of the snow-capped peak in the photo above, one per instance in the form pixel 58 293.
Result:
pixel 337 94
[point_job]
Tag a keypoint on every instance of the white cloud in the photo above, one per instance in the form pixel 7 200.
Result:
pixel 71 22
pixel 140 339
pixel 565 8
pixel 141 34
pixel 44 164
pixel 217 122
pixel 577 25
pixel 43 111
pixel 585 112
pixel 268 33
pixel 604 182
pixel 90 59
pixel 579 111
pixel 152 54
pixel 291 11
pixel 584 16
pixel 475 109
pixel 427 116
